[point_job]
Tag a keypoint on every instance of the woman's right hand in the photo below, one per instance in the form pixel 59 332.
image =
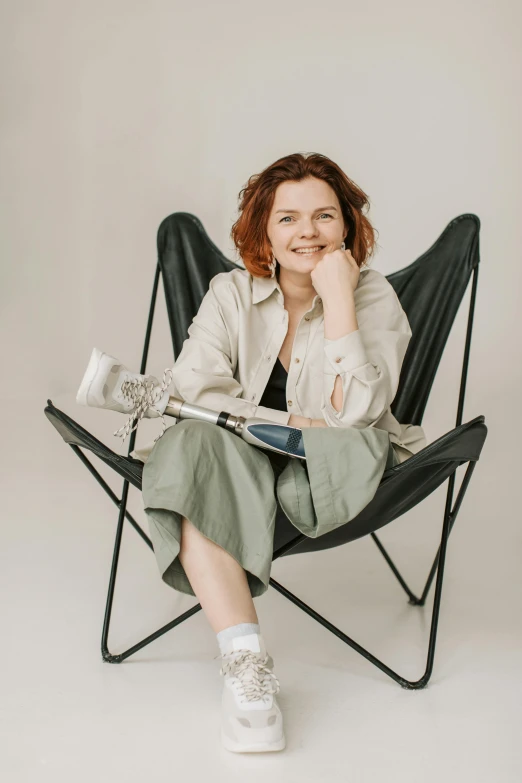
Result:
pixel 302 421
pixel 298 421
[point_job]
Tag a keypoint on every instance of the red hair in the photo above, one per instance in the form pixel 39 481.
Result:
pixel 257 198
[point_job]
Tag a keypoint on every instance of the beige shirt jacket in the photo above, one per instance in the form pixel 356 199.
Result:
pixel 236 336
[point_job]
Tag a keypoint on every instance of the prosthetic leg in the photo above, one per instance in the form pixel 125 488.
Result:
pixel 108 384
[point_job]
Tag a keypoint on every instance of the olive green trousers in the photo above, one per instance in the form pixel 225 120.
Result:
pixel 230 490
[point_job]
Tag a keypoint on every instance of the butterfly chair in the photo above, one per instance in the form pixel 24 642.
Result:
pixel 430 290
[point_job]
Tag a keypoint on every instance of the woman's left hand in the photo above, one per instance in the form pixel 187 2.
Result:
pixel 336 274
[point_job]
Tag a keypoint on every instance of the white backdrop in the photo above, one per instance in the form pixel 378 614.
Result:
pixel 116 114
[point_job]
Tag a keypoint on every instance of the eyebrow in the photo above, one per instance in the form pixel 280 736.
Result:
pixel 319 209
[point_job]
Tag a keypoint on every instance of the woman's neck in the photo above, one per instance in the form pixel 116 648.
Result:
pixel 298 290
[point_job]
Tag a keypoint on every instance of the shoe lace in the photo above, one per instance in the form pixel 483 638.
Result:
pixel 253 672
pixel 144 394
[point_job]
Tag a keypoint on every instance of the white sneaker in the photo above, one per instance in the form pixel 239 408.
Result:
pixel 251 720
pixel 108 384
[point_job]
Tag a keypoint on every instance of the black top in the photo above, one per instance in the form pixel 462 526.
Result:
pixel 274 396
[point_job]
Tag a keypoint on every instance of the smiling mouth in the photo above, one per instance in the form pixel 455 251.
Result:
pixel 308 251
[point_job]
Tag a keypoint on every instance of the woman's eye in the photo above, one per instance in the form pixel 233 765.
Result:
pixel 288 217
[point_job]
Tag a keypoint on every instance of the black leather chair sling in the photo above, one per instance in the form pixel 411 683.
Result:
pixel 430 290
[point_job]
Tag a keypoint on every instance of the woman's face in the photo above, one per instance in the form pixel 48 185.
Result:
pixel 305 214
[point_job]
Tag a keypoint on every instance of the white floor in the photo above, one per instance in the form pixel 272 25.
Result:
pixel 69 716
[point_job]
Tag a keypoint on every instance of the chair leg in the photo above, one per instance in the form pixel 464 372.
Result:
pixel 107 656
pixel 90 467
pixel 460 409
pixel 124 514
pixel 413 599
pixel 449 519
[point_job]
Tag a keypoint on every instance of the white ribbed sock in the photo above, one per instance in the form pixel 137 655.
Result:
pixel 242 629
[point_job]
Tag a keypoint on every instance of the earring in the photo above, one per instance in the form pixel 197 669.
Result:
pixel 272 266
pixel 343 246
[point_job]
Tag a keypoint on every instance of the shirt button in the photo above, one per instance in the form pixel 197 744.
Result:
pixel 297 360
pixel 338 358
pixel 268 358
pixel 307 317
pixel 253 396
pixel 290 402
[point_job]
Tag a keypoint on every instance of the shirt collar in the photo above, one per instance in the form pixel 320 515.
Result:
pixel 263 287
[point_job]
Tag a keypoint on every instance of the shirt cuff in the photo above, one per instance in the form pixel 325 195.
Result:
pixel 332 417
pixel 344 354
pixel 272 414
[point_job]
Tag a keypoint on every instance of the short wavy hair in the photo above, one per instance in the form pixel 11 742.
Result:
pixel 257 198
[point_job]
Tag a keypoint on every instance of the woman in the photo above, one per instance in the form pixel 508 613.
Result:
pixel 302 337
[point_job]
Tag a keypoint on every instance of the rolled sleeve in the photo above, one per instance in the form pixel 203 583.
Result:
pixel 368 360
pixel 344 354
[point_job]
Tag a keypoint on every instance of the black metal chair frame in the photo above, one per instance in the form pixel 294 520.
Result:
pixel 132 472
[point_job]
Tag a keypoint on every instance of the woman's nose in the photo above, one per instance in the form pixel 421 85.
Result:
pixel 309 231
